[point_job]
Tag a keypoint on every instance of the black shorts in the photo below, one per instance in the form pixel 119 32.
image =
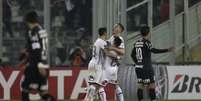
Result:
pixel 32 76
pixel 145 76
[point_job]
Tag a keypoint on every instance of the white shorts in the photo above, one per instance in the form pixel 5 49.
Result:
pixel 110 75
pixel 95 73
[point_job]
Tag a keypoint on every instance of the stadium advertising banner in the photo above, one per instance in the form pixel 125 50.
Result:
pixel 184 82
pixel 62 83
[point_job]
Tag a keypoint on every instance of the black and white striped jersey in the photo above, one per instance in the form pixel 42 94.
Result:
pixel 37 45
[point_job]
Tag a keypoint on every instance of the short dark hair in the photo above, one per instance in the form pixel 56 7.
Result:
pixel 117 41
pixel 31 17
pixel 144 30
pixel 102 31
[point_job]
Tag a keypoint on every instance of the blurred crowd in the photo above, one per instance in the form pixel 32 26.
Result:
pixel 70 28
pixel 71 31
pixel 71 25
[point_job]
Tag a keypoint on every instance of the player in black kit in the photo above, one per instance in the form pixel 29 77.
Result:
pixel 141 55
pixel 35 74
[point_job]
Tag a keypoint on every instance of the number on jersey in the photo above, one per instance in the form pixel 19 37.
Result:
pixel 139 54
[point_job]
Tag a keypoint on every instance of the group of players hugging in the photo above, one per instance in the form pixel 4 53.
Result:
pixel 104 64
pixel 103 67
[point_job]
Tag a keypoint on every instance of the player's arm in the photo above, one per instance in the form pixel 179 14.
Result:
pixel 43 62
pixel 107 52
pixel 23 59
pixel 155 50
pixel 120 51
pixel 106 49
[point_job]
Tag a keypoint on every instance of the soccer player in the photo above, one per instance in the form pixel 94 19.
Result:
pixel 141 55
pixel 117 30
pixel 35 74
pixel 95 66
pixel 110 68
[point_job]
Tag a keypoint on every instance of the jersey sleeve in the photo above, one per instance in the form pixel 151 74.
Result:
pixel 122 44
pixel 44 47
pixel 103 44
pixel 154 50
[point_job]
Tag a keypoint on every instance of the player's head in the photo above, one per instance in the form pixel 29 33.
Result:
pixel 117 41
pixel 145 31
pixel 118 28
pixel 102 31
pixel 31 17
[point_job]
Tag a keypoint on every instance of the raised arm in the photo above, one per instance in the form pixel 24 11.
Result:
pixel 157 51
pixel 154 50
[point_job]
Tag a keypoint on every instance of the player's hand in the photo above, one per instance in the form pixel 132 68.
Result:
pixel 42 71
pixel 106 47
pixel 171 49
pixel 42 68
pixel 22 66
pixel 111 48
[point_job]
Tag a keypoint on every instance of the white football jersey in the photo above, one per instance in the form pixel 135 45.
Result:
pixel 111 68
pixel 110 62
pixel 111 40
pixel 98 55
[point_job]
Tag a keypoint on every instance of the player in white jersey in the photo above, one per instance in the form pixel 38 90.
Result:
pixel 117 30
pixel 95 66
pixel 111 64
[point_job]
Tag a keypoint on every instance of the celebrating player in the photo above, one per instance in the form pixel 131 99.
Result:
pixel 110 68
pixel 96 64
pixel 35 75
pixel 117 30
pixel 141 55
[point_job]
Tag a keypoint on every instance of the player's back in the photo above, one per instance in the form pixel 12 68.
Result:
pixel 98 51
pixel 142 53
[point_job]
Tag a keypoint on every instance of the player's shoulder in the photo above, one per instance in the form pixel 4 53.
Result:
pixel 143 41
pixel 121 37
pixel 146 40
pixel 139 41
pixel 42 32
pixel 147 43
pixel 113 37
pixel 100 41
